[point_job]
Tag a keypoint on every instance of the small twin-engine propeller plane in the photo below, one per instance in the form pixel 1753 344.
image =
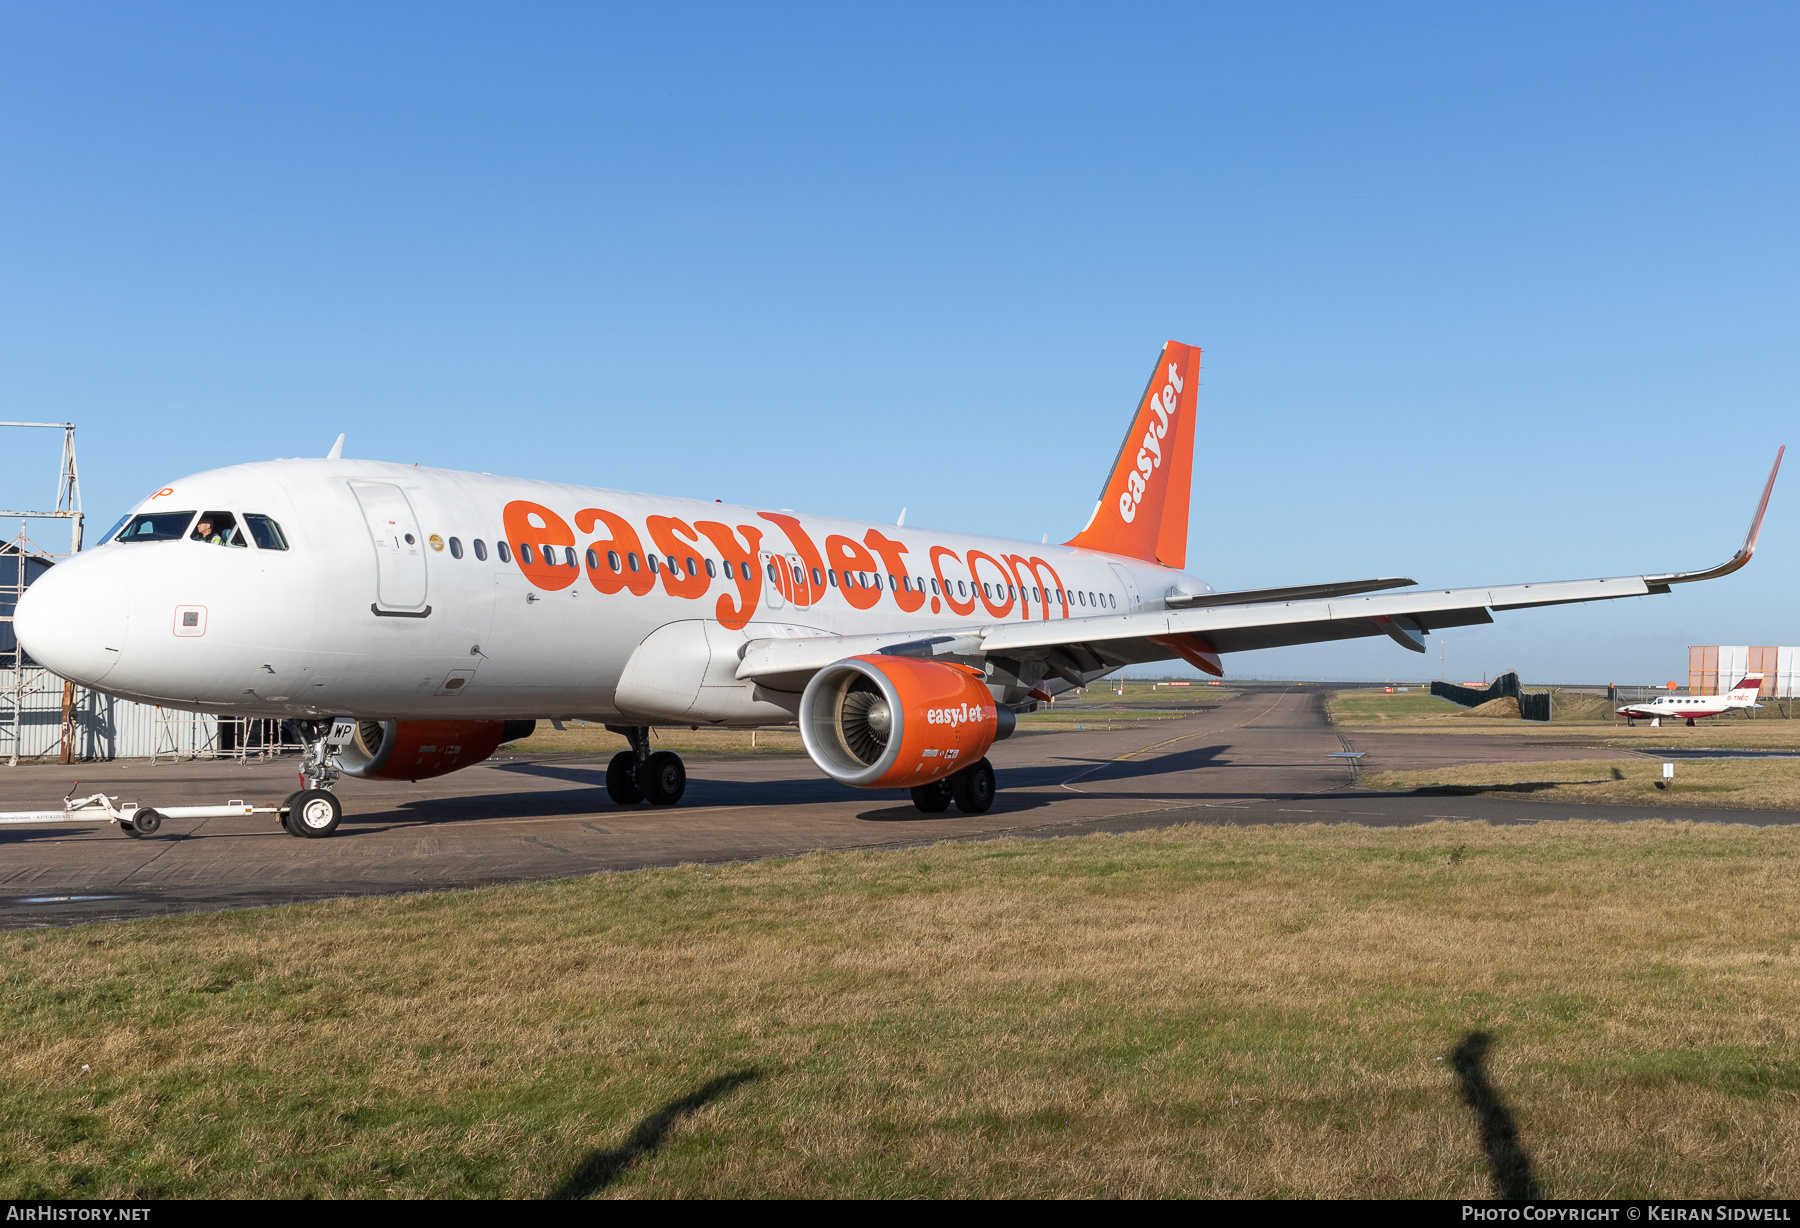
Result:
pixel 410 620
pixel 1695 707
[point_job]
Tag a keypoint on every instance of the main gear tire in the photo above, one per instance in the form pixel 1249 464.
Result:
pixel 934 798
pixel 622 779
pixel 664 778
pixel 973 788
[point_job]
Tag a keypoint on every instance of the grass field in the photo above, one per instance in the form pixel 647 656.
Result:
pixel 1760 784
pixel 1581 718
pixel 1258 1011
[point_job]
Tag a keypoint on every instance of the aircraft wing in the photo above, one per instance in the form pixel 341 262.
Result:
pixel 1073 648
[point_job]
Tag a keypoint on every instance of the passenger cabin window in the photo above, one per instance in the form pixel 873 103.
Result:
pixel 500 548
pixel 157 527
pixel 612 560
pixel 218 529
pixel 525 555
pixel 455 547
pixel 480 550
pixel 268 535
pixel 711 571
pixel 631 557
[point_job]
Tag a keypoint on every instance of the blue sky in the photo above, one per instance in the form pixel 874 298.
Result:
pixel 1486 293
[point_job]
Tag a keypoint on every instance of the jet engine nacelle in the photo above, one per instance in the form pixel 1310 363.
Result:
pixel 880 722
pixel 418 750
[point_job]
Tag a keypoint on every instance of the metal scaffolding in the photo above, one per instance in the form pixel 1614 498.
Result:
pixel 21 557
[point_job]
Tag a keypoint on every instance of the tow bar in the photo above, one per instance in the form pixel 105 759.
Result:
pixel 133 820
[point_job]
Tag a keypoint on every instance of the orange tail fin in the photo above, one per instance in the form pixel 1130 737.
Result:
pixel 1143 508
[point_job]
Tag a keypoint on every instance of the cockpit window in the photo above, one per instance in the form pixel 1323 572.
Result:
pixel 218 529
pixel 114 531
pixel 268 535
pixel 156 527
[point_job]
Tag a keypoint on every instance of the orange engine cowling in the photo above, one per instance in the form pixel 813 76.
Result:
pixel 880 722
pixel 417 750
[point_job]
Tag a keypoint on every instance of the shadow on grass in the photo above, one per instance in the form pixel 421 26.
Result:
pixel 602 1168
pixel 1524 786
pixel 1499 1135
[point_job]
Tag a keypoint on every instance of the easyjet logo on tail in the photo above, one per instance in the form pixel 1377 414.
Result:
pixel 1142 512
pixel 1150 454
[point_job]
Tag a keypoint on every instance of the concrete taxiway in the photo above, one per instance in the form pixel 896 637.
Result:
pixel 1261 758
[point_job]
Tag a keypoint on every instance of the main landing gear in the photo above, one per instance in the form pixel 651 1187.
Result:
pixel 639 774
pixel 315 810
pixel 972 789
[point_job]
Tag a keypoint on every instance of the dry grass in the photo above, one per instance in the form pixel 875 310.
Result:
pixel 1759 784
pixel 1574 717
pixel 1261 1011
pixel 1100 707
pixel 578 737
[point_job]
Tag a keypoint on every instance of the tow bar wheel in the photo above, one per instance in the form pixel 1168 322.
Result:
pixel 314 813
pixel 142 823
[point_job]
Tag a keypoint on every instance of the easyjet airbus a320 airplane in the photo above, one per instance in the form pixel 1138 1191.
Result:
pixel 410 620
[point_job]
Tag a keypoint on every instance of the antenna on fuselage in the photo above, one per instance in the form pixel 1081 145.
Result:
pixel 901 523
pixel 337 449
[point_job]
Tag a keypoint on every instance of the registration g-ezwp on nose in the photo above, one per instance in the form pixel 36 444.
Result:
pixel 410 620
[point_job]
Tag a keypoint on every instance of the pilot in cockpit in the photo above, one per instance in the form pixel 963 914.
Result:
pixel 218 528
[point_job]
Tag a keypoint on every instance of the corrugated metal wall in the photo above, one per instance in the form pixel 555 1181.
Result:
pixel 105 728
pixel 1715 667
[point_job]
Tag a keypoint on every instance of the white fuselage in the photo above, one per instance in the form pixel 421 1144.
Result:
pixel 1690 707
pixel 351 619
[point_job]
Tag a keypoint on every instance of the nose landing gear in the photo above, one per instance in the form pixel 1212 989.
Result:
pixel 315 810
pixel 638 775
pixel 313 813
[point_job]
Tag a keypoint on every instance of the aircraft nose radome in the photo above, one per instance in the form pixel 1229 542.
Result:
pixel 72 620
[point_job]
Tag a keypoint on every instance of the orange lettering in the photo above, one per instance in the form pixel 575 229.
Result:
pixel 893 557
pixel 807 591
pixel 738 560
pixel 993 607
pixel 540 535
pixel 678 581
pixel 848 556
pixel 1019 562
pixel 624 544
pixel 937 569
